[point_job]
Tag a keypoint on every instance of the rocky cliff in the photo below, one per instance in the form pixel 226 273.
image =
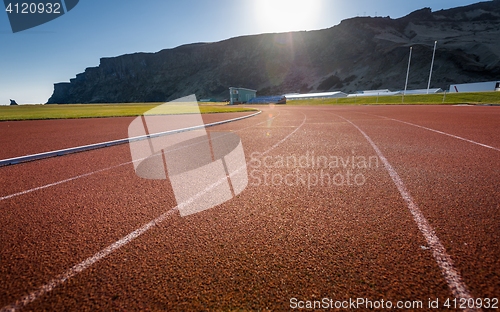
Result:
pixel 358 54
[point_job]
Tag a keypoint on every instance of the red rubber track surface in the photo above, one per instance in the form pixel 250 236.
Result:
pixel 271 243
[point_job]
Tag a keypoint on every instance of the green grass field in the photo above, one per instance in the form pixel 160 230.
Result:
pixel 440 98
pixel 61 111
pixel 30 112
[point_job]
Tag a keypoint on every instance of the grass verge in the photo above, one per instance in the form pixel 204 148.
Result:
pixel 65 111
pixel 430 99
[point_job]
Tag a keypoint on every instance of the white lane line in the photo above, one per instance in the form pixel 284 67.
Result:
pixel 89 173
pixel 286 138
pixel 444 261
pixel 16 306
pixel 83 265
pixel 61 182
pixel 441 132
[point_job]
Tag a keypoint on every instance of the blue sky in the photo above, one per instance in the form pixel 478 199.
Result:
pixel 33 60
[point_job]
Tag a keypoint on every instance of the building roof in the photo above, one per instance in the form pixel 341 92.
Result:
pixel 374 91
pixel 423 91
pixel 386 92
pixel 383 93
pixel 298 96
pixel 242 89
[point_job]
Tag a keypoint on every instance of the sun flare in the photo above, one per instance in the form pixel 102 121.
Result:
pixel 286 15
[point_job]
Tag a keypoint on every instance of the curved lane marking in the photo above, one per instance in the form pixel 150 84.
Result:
pixel 444 261
pixel 440 132
pixel 16 306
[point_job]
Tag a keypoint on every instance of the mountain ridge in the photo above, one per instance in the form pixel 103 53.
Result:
pixel 360 53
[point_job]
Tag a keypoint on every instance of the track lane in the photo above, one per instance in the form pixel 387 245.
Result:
pixel 89 262
pixel 267 265
pixel 454 183
pixel 269 243
pixel 76 196
pixel 444 261
pixel 479 125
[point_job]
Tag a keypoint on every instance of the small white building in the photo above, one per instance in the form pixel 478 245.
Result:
pixel 241 95
pixel 476 87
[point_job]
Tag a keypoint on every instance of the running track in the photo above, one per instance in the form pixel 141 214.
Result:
pixel 76 231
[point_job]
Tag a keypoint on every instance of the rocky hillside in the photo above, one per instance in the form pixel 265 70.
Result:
pixel 358 54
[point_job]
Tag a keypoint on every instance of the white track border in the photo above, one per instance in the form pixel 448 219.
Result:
pixel 71 150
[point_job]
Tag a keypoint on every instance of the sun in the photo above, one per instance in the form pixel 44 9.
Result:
pixel 287 15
